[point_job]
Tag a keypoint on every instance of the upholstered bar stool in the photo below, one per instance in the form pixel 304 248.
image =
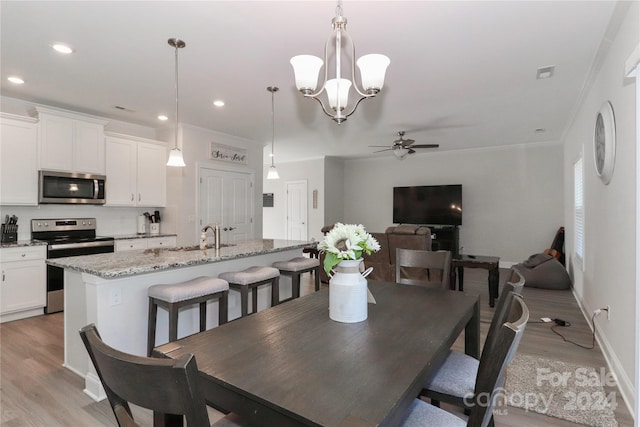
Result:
pixel 295 267
pixel 173 297
pixel 250 279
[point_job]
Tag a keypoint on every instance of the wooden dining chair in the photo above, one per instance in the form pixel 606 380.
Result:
pixel 163 385
pixel 456 377
pixel 491 370
pixel 424 268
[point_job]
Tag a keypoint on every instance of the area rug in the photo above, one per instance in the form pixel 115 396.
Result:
pixel 562 390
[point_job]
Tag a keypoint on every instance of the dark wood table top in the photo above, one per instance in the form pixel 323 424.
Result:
pixel 292 365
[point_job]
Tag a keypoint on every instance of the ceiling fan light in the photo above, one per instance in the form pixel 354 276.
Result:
pixel 338 93
pixel 373 68
pixel 400 153
pixel 306 69
pixel 273 173
pixel 175 158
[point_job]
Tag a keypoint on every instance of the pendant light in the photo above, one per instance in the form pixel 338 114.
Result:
pixel 273 172
pixel 372 67
pixel 175 155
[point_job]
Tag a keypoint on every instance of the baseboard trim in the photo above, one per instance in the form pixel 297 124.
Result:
pixel 93 387
pixel 625 385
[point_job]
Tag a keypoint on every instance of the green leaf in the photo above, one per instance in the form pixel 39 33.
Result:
pixel 330 261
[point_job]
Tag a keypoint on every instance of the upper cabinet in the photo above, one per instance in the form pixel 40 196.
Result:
pixel 71 143
pixel 18 160
pixel 136 171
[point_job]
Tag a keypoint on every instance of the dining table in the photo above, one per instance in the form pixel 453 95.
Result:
pixel 291 365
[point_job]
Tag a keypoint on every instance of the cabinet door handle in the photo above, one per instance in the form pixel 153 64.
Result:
pixel 132 196
pixel 139 196
pixel 3 275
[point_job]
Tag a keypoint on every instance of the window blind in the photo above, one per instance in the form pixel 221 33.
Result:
pixel 578 208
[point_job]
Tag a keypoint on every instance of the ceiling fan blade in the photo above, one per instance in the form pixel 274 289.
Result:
pixel 426 146
pixel 378 146
pixel 386 149
pixel 406 142
pixel 411 151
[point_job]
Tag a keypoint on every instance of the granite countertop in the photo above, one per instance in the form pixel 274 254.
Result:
pixel 129 263
pixel 142 236
pixel 22 243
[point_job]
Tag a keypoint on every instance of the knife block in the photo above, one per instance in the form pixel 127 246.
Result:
pixel 9 234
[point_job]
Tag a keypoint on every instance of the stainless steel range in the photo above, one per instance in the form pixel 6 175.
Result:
pixel 66 237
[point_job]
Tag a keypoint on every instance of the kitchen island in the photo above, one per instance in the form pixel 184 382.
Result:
pixel 110 290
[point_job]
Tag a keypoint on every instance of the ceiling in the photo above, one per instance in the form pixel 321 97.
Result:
pixel 462 74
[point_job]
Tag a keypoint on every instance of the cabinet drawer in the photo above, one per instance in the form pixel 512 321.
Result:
pixel 23 253
pixel 130 244
pixel 161 242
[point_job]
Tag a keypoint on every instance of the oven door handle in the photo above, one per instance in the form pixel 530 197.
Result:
pixel 80 245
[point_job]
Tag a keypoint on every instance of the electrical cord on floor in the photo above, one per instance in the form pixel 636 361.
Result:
pixel 564 324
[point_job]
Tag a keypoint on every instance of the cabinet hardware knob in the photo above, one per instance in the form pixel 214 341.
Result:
pixel 23 255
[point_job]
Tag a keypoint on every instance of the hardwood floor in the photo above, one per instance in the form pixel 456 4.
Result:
pixel 35 390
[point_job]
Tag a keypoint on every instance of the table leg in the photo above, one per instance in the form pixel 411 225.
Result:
pixel 461 279
pixel 452 278
pixel 494 278
pixel 472 333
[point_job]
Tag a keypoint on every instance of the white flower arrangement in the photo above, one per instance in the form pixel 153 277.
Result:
pixel 346 241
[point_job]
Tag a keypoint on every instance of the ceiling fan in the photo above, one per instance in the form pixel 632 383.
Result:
pixel 402 147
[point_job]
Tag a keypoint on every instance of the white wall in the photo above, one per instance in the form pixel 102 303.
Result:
pixel 512 197
pixel 610 229
pixel 334 193
pixel 181 212
pixel 275 218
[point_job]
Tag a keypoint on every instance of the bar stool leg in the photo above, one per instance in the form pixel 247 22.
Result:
pixel 316 278
pixel 222 308
pixel 275 291
pixel 203 316
pixel 173 322
pixel 244 303
pixel 151 333
pixel 254 299
pixel 295 284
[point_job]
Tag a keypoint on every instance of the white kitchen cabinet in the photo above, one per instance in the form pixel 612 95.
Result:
pixel 145 243
pixel 23 286
pixel 18 160
pixel 136 171
pixel 71 143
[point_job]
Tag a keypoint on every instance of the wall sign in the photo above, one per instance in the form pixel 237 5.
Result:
pixel 227 153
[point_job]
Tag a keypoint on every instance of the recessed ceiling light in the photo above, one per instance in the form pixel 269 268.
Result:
pixel 545 72
pixel 62 48
pixel 163 118
pixel 16 80
pixel 218 103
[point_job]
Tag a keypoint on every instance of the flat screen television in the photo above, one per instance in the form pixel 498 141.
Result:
pixel 428 205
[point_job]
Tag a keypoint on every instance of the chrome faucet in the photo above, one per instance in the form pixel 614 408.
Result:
pixel 215 229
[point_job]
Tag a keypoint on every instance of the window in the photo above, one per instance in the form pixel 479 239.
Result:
pixel 578 210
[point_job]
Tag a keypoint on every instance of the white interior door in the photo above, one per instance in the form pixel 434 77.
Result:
pixel 297 210
pixel 226 199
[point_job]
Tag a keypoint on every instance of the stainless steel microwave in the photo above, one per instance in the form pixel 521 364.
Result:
pixel 71 188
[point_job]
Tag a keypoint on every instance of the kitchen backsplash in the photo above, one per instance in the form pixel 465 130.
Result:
pixel 111 221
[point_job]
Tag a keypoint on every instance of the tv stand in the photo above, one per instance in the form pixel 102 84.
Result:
pixel 445 238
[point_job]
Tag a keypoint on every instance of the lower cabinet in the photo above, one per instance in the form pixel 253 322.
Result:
pixel 145 243
pixel 23 288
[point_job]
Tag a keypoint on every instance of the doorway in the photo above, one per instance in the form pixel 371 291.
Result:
pixel 226 198
pixel 296 210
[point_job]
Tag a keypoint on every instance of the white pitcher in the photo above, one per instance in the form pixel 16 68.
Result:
pixel 348 292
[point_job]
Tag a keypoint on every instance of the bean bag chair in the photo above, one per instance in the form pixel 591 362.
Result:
pixel 544 271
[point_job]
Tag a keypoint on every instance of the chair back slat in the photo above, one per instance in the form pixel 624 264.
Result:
pixel 163 385
pixel 416 267
pixel 494 361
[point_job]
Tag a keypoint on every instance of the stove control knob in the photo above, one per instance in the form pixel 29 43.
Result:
pixel 39 224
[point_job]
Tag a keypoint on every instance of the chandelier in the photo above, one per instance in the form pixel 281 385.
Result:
pixel 175 155
pixel 337 86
